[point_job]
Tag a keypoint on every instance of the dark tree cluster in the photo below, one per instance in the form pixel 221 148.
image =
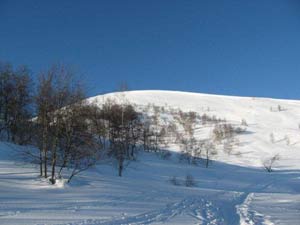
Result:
pixel 119 127
pixel 15 103
pixel 52 116
pixel 69 134
pixel 62 123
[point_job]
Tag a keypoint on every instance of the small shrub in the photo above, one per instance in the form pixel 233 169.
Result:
pixel 244 123
pixel 272 139
pixel 225 131
pixel 239 130
pixel 287 140
pixel 228 146
pixel 173 180
pixel 184 157
pixel 279 108
pixel 238 154
pixel 189 181
pixel 165 155
pixel 268 163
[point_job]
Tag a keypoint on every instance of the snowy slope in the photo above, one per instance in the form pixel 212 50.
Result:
pixel 255 145
pixel 234 190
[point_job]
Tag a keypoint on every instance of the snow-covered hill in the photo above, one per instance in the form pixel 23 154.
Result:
pixel 262 116
pixel 235 189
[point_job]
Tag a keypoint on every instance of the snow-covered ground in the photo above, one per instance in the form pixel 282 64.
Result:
pixel 235 189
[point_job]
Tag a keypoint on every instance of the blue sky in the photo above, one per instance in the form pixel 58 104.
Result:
pixel 233 47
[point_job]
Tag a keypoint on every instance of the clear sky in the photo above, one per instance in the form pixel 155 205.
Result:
pixel 233 47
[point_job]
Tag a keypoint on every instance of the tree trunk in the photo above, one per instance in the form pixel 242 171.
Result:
pixel 53 168
pixel 70 178
pixel 45 163
pixel 54 151
pixel 41 164
pixel 207 159
pixel 66 156
pixel 65 161
pixel 62 167
pixel 44 150
pixel 53 164
pixel 132 151
pixel 44 146
pixel 120 170
pixel 120 166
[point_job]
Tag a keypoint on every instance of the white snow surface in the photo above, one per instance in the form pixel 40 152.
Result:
pixel 235 189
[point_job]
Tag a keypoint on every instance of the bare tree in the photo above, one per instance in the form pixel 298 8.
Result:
pixel 269 163
pixel 272 138
pixel 287 140
pixel 228 146
pixel 83 154
pixel 56 100
pixel 123 125
pixel 209 151
pixel 44 104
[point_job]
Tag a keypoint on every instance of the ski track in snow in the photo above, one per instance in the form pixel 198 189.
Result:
pixel 199 209
pixel 203 211
pixel 250 217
